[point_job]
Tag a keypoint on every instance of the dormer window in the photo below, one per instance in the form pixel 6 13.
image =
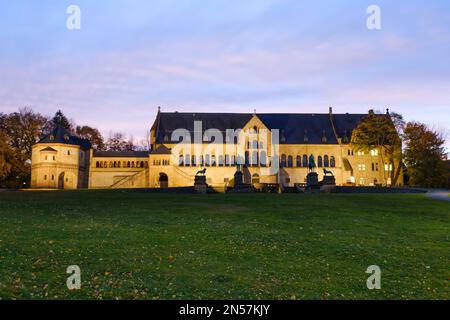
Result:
pixel 166 138
pixel 66 137
pixel 305 137
pixel 52 137
pixel 324 137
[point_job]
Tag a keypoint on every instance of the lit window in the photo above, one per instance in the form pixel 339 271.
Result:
pixel 360 153
pixel 388 167
pixel 361 167
pixel 374 153
pixel 362 182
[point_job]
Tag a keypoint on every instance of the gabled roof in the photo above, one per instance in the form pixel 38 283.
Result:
pixel 63 136
pixel 162 149
pixel 294 128
pixel 48 149
pixel 121 154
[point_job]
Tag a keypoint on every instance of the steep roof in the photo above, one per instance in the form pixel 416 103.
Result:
pixel 121 154
pixel 64 136
pixel 161 150
pixel 294 128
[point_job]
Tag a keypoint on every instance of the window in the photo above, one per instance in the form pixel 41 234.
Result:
pixel 362 181
pixel 255 158
pixel 298 161
pixel 374 153
pixel 332 162
pixel 207 160
pixel 263 159
pixel 221 161
pixel 53 177
pixel 227 160
pixel 361 167
pixel 68 152
pixel 45 177
pixel 97 164
pixel 194 161
pixel 283 161
pixel 187 160
pixel 181 160
pixel 213 161
pixel 54 158
pixel 290 162
pixel 45 158
pixel 388 167
pixel 360 153
pixel 326 161
pixel 320 162
pixel 305 161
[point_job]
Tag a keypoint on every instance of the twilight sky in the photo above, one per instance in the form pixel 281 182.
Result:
pixel 131 56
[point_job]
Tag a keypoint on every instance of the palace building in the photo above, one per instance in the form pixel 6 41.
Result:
pixel 61 160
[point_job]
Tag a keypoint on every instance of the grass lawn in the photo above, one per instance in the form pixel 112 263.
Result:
pixel 136 245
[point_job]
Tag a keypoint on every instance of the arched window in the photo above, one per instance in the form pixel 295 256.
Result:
pixel 187 160
pixel 290 162
pixel 213 161
pixel 255 144
pixel 247 158
pixel 194 161
pixel 207 160
pixel 132 164
pixel 305 161
pixel 221 163
pixel 146 164
pixel 128 164
pixel 332 162
pixel 97 164
pixel 261 145
pixel 111 164
pixel 326 162
pixel 320 162
pixel 202 160
pixel 298 161
pixel 255 158
pixel 181 160
pixel 263 159
pixel 227 160
pixel 283 161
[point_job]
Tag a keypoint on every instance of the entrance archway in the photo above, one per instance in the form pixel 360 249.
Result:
pixel 61 181
pixel 67 181
pixel 163 181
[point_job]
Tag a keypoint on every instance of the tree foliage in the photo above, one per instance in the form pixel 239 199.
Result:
pixel 379 131
pixel 59 119
pixel 93 135
pixel 117 142
pixel 425 155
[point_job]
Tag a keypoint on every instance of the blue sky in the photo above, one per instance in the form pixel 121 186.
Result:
pixel 230 56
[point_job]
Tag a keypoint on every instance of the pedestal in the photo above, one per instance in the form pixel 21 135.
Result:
pixel 328 184
pixel 312 181
pixel 200 184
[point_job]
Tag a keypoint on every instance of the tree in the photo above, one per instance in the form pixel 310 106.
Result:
pixel 93 135
pixel 24 128
pixel 5 157
pixel 117 142
pixel 425 155
pixel 59 119
pixel 378 131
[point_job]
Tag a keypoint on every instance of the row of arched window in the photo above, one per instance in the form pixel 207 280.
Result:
pixel 255 159
pixel 303 161
pixel 121 164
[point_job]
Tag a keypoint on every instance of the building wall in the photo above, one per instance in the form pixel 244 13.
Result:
pixel 64 168
pixel 107 172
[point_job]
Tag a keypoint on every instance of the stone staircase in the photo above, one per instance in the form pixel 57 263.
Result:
pixel 138 180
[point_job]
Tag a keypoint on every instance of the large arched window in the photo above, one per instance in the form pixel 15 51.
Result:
pixel 320 162
pixel 290 162
pixel 333 162
pixel 326 162
pixel 305 161
pixel 283 161
pixel 181 160
pixel 255 158
pixel 187 160
pixel 263 159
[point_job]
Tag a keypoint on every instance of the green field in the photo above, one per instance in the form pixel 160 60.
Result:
pixel 137 245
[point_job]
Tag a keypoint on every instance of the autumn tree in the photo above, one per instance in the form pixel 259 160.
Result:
pixel 117 142
pixel 5 157
pixel 378 131
pixel 93 135
pixel 425 155
pixel 23 129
